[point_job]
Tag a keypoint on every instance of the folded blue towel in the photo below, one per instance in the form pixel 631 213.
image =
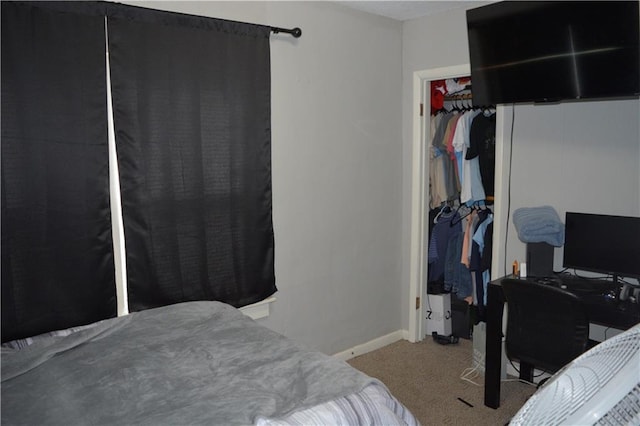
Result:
pixel 538 225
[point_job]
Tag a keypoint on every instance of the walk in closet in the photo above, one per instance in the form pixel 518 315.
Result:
pixel 461 152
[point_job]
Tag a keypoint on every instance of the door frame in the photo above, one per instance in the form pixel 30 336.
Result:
pixel 418 229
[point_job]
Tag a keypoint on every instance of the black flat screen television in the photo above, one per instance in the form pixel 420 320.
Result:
pixel 549 51
pixel 602 243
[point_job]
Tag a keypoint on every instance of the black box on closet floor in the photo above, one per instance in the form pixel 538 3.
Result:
pixel 436 287
pixel 460 318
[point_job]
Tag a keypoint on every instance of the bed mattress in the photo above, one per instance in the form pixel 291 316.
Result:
pixel 188 363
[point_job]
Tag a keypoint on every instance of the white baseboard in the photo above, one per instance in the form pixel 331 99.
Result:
pixel 372 345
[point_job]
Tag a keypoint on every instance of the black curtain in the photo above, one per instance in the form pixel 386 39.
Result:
pixel 57 252
pixel 191 100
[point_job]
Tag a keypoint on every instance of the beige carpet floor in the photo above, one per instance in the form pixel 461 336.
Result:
pixel 426 378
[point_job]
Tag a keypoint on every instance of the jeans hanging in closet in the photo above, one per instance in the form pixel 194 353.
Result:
pixel 457 278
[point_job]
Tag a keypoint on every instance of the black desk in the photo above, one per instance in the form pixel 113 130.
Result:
pixel 602 311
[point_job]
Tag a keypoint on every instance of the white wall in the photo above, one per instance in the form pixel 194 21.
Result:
pixel 342 135
pixel 337 167
pixel 581 156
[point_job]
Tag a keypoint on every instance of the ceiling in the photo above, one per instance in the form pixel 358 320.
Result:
pixel 403 10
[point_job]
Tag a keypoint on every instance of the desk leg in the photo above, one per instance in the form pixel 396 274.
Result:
pixel 493 350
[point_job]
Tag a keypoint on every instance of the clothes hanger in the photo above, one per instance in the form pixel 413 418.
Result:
pixel 470 106
pixel 457 221
pixel 444 208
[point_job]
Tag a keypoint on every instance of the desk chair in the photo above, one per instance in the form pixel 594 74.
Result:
pixel 547 327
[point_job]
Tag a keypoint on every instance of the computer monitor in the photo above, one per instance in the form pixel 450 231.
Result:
pixel 603 243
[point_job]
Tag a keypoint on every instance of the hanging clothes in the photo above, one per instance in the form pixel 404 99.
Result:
pixel 478 267
pixel 482 145
pixel 465 257
pixel 461 174
pixel 444 179
pixel 443 232
pixel 462 156
pixel 457 278
pixel 461 142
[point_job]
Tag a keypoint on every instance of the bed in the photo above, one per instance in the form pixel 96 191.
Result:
pixel 188 363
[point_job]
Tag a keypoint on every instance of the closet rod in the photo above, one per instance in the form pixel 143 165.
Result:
pixel 460 96
pixel 296 32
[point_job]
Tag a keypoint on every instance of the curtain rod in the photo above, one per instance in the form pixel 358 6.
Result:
pixel 296 32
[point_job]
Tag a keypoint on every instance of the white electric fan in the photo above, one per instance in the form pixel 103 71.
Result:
pixel 600 387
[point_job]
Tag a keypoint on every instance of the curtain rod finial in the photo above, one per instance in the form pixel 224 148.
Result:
pixel 296 32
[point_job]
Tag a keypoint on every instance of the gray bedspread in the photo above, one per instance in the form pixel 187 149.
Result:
pixel 189 363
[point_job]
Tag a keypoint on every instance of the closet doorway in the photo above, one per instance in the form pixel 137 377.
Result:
pixel 418 227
